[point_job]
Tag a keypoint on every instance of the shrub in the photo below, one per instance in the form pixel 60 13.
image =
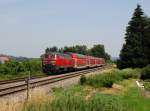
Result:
pixel 107 79
pixel 147 85
pixel 145 73
pixel 130 73
pixel 116 75
pixel 14 67
pixel 100 80
pixel 4 69
pixel 127 73
pixel 82 79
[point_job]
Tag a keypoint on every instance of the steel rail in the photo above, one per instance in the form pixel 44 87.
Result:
pixel 20 79
pixel 23 78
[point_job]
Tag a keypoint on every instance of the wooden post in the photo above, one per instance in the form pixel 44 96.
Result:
pixel 28 85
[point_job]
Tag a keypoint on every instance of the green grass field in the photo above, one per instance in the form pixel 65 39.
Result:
pixel 124 95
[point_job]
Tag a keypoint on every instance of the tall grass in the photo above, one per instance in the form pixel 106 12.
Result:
pixel 38 97
pixel 99 102
pixel 74 99
pixel 7 105
pixel 136 100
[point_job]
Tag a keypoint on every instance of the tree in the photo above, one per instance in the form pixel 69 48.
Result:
pixel 51 49
pixel 81 49
pixel 132 53
pixel 99 51
pixel 146 40
pixel 47 50
pixel 69 49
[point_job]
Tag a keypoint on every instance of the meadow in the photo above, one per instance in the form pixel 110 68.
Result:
pixel 93 93
pixel 111 91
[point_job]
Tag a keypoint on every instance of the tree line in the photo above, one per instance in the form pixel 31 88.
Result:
pixel 15 67
pixel 96 51
pixel 136 49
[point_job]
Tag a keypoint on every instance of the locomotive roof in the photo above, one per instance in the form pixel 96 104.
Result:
pixel 69 53
pixel 59 53
pixel 54 53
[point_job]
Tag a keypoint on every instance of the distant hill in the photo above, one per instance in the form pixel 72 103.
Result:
pixel 20 58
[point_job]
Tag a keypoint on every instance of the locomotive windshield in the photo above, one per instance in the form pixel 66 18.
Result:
pixel 50 56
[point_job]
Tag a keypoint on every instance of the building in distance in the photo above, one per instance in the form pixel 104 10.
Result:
pixel 4 58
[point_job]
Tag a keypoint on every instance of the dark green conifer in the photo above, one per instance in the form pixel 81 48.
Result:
pixel 132 53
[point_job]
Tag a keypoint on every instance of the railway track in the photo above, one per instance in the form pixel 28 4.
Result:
pixel 19 79
pixel 18 85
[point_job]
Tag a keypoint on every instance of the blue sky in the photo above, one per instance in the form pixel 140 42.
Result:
pixel 27 27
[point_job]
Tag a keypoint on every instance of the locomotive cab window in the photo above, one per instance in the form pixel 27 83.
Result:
pixel 67 56
pixel 46 56
pixel 52 56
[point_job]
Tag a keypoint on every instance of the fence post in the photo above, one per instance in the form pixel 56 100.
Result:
pixel 28 85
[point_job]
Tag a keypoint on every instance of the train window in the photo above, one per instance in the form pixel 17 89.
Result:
pixel 58 56
pixel 64 56
pixel 61 56
pixel 52 56
pixel 67 56
pixel 49 56
pixel 46 56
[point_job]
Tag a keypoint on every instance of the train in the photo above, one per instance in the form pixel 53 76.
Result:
pixel 57 62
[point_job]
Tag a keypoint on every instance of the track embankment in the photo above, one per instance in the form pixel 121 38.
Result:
pixel 18 89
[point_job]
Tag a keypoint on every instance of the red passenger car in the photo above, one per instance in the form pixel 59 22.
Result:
pixel 80 61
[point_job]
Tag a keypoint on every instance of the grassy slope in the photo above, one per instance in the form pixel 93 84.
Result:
pixel 123 96
pixel 135 98
pixel 86 98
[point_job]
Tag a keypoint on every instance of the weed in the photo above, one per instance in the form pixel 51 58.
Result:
pixel 82 79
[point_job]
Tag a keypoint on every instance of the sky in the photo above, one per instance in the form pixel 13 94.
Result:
pixel 27 27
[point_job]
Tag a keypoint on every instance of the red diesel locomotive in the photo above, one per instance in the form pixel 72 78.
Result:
pixel 55 62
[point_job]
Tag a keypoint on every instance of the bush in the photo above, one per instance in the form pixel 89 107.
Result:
pixel 145 73
pixel 14 67
pixel 82 80
pixel 100 80
pixel 147 85
pixel 130 73
pixel 4 69
pixel 107 80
